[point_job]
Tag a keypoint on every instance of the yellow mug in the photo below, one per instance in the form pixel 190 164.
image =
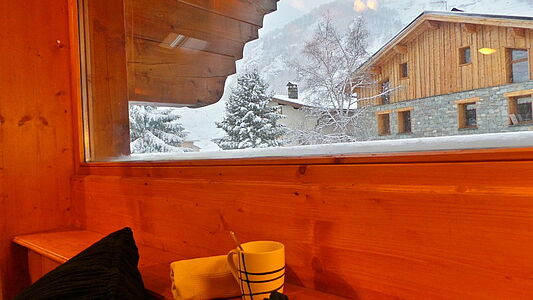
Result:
pixel 259 269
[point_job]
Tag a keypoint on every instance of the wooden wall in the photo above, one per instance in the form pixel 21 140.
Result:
pixel 433 58
pixel 35 128
pixel 365 230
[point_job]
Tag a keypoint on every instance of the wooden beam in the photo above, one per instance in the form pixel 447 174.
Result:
pixel 470 28
pixel 400 49
pixel 432 25
pixel 108 105
pixel 518 32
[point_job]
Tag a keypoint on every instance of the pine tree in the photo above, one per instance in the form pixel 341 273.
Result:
pixel 249 121
pixel 155 129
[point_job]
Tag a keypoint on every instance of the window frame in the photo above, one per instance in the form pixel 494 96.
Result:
pixel 401 120
pixel 83 166
pixel 380 123
pixel 509 63
pixel 512 98
pixel 461 113
pixel 402 74
pixel 462 56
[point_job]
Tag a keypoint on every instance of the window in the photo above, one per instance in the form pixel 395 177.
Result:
pixel 404 70
pixel 385 92
pixel 520 109
pixel 404 121
pixel 155 83
pixel 518 65
pixel 384 123
pixel 465 56
pixel 467 113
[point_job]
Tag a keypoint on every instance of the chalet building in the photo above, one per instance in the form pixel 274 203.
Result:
pixel 451 73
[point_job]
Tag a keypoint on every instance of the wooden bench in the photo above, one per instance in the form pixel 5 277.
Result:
pixel 46 251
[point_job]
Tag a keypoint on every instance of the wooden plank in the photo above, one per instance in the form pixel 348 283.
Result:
pixel 331 204
pixel 175 16
pixel 47 250
pixel 108 99
pixel 37 137
pixel 165 90
pixel 150 59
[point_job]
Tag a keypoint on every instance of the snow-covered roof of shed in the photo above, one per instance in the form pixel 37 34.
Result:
pixel 454 17
pixel 285 100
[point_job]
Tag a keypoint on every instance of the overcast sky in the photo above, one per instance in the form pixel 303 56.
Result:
pixel 289 10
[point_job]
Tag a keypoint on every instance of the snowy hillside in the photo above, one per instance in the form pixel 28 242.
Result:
pixel 273 50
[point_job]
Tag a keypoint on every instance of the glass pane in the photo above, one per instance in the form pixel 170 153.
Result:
pixel 406 115
pixel 471 118
pixel 518 54
pixel 520 71
pixel 163 76
pixel 466 55
pixel 524 109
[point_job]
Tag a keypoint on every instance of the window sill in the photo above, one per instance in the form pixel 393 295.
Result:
pixel 464 65
pixel 395 150
pixel 525 124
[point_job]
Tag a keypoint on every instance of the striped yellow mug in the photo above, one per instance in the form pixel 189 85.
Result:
pixel 259 269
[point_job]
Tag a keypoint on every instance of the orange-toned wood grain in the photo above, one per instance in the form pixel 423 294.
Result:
pixel 450 230
pixel 433 58
pixel 36 128
pixel 47 250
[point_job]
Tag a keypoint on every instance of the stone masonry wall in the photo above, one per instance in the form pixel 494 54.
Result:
pixel 438 115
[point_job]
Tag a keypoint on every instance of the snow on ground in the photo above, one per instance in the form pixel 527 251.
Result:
pixel 478 141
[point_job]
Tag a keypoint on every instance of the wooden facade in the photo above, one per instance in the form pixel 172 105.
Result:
pixel 440 225
pixel 431 48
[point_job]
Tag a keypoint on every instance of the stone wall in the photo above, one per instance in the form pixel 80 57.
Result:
pixel 438 116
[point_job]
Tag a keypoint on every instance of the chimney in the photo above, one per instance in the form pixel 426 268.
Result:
pixel 292 90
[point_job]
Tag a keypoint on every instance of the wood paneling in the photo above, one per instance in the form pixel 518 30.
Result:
pixel 47 250
pixel 36 128
pixel 364 231
pixel 434 66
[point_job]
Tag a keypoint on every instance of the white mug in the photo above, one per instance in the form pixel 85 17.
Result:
pixel 259 269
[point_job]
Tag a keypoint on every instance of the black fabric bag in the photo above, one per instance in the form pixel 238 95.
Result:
pixel 105 270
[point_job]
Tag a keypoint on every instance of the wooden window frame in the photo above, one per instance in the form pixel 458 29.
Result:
pixel 462 56
pixel 174 168
pixel 382 98
pixel 381 129
pixel 512 97
pixel 509 63
pixel 461 112
pixel 400 112
pixel 401 70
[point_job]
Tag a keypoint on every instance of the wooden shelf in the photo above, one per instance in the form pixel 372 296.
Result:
pixel 154 263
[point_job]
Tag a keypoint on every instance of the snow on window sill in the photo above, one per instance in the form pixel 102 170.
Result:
pixel 460 142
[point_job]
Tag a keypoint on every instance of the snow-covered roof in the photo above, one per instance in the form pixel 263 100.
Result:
pixel 285 100
pixel 456 17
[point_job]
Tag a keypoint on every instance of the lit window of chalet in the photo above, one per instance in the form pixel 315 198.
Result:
pixel 385 92
pixel 384 123
pixel 404 121
pixel 404 70
pixel 465 56
pixel 518 65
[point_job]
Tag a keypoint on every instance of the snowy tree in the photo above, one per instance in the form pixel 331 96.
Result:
pixel 329 69
pixel 155 129
pixel 249 121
